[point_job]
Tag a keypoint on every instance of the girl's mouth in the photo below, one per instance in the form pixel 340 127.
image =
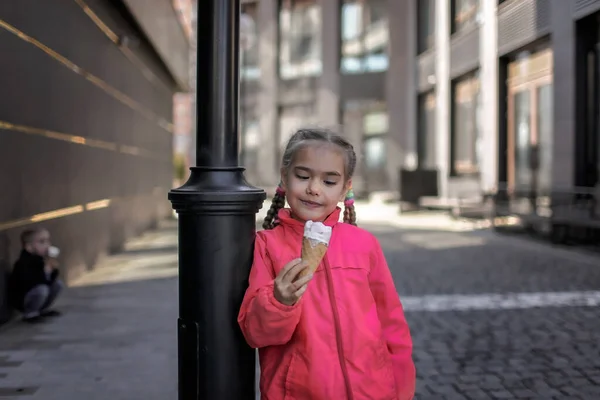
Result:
pixel 310 204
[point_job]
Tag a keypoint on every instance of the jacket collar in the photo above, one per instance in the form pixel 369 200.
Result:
pixel 285 219
pixel 30 257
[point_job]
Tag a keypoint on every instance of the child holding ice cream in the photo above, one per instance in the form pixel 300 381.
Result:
pixel 328 325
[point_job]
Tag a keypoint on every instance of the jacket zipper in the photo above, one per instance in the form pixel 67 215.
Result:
pixel 338 329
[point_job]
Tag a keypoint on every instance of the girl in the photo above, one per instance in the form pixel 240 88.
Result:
pixel 339 333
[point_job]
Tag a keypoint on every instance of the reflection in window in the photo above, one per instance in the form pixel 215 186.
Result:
pixel 466 127
pixel 366 123
pixel 375 152
pixel 522 139
pixel 300 39
pixel 545 133
pixel 249 66
pixel 364 25
pixel 426 143
pixel 426 24
pixel 464 14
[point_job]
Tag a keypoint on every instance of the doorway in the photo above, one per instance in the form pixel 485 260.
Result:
pixel 530 120
pixel 587 162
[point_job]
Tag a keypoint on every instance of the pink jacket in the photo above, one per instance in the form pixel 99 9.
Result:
pixel 347 336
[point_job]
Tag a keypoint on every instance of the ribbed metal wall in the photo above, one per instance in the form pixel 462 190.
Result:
pixel 584 8
pixel 521 22
pixel 464 52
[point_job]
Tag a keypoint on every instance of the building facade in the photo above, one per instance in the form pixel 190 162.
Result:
pixel 86 123
pixel 444 99
pixel 508 93
pixel 321 63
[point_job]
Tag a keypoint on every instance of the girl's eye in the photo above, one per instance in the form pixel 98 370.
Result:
pixel 302 177
pixel 330 183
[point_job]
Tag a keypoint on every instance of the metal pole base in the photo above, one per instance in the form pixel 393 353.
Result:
pixel 217 221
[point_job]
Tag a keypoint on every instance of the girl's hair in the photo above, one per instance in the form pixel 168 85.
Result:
pixel 299 140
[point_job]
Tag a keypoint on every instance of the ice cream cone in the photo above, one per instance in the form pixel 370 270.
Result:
pixel 312 256
pixel 314 245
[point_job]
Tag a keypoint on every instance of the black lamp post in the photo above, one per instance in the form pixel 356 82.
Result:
pixel 217 210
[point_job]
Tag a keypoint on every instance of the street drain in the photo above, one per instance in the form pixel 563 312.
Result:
pixel 18 391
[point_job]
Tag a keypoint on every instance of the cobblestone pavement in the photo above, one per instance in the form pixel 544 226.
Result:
pixel 492 317
pixel 497 317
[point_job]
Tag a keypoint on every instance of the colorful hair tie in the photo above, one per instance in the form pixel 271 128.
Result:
pixel 349 200
pixel 280 190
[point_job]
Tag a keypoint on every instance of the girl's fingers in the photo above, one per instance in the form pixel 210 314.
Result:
pixel 291 275
pixel 301 282
pixel 288 268
pixel 300 291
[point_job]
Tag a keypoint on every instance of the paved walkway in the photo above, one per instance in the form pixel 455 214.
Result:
pixel 493 317
pixel 117 338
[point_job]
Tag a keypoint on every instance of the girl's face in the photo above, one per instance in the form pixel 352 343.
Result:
pixel 315 182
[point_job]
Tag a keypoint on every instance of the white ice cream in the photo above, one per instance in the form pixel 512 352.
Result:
pixel 317 232
pixel 53 252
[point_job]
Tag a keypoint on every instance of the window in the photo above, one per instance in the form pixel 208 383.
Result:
pixel 249 66
pixel 545 112
pixel 522 146
pixel 300 39
pixel 366 123
pixel 426 22
pixel 426 143
pixel 466 106
pixel 364 25
pixel 465 14
pixel 530 121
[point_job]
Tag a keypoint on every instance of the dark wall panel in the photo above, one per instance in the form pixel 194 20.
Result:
pixel 584 8
pixel 522 22
pixel 67 142
pixel 464 52
pixel 362 86
pixel 66 29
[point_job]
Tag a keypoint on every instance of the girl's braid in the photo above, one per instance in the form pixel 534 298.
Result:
pixel 277 204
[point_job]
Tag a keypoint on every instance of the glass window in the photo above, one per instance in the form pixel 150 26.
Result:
pixel 300 39
pixel 375 123
pixel 375 152
pixel 364 25
pixel 426 140
pixel 465 14
pixel 545 112
pixel 466 121
pixel 249 65
pixel 522 130
pixel 366 124
pixel 426 22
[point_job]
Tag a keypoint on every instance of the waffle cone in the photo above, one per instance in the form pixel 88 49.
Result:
pixel 312 255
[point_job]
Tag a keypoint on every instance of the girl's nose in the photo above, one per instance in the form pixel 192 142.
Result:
pixel 313 188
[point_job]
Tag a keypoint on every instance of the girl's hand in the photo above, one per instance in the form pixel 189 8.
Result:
pixel 287 289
